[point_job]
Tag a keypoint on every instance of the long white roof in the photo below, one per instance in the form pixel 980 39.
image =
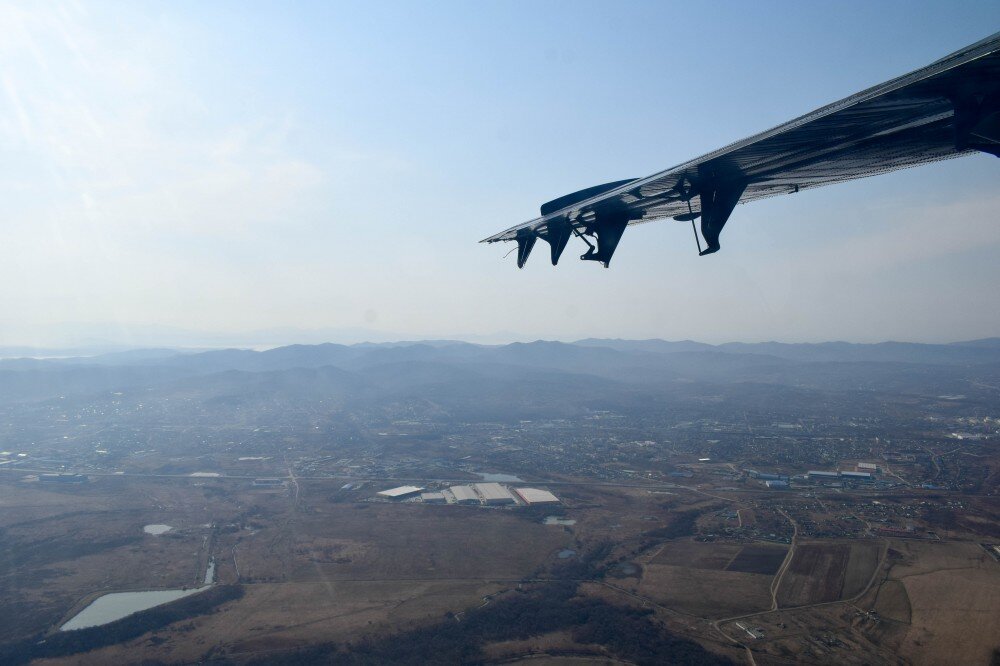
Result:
pixel 464 493
pixel 536 495
pixel 492 491
pixel 400 491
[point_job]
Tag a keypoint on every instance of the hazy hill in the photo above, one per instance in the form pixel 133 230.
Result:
pixel 459 369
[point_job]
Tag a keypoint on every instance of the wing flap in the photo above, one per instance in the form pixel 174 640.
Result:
pixel 904 122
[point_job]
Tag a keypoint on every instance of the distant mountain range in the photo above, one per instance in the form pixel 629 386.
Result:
pixel 470 376
pixel 974 351
pixel 466 369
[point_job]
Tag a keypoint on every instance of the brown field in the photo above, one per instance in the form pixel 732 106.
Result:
pixel 394 541
pixel 758 559
pixel 704 592
pixel 697 555
pixel 825 571
pixel 892 602
pixel 954 596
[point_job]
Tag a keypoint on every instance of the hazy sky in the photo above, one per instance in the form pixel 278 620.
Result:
pixel 225 167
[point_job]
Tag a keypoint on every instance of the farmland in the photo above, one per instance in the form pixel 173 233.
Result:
pixel 827 571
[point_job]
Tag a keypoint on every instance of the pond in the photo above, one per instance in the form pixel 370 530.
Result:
pixel 557 520
pixel 565 554
pixel 117 605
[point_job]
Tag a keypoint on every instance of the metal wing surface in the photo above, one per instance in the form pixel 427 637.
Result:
pixel 944 110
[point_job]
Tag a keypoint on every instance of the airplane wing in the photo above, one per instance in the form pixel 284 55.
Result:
pixel 944 110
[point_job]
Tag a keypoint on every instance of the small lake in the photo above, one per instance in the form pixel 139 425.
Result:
pixel 556 520
pixel 117 605
pixel 156 529
pixel 565 554
pixel 500 478
pixel 110 607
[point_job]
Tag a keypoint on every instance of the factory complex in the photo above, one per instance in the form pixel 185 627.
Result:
pixel 479 494
pixel 863 472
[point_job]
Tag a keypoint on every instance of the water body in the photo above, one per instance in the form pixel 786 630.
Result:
pixel 565 554
pixel 110 607
pixel 156 529
pixel 117 605
pixel 500 478
pixel 556 520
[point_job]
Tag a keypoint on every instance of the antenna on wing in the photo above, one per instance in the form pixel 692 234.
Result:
pixel 685 191
pixel 697 241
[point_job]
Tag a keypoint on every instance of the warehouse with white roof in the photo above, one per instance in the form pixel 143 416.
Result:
pixel 402 492
pixel 494 493
pixel 536 496
pixel 464 495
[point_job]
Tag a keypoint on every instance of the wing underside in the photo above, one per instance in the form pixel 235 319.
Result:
pixel 944 110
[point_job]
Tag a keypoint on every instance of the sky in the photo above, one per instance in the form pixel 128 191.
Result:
pixel 298 171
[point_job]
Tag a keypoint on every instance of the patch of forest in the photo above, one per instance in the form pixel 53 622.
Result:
pixel 630 634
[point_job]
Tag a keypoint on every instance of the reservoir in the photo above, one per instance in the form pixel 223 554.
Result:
pixel 117 605
pixel 110 607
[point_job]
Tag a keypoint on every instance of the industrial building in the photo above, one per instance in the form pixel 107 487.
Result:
pixel 402 492
pixel 464 495
pixel 867 467
pixel 532 496
pixel 753 632
pixel 815 474
pixel 776 483
pixel 62 478
pixel 433 498
pixel 766 476
pixel 494 493
pixel 857 476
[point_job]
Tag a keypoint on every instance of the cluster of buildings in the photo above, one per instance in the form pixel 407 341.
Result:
pixel 863 471
pixel 62 478
pixel 818 475
pixel 483 494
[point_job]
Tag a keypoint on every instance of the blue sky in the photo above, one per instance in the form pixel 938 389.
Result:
pixel 229 167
